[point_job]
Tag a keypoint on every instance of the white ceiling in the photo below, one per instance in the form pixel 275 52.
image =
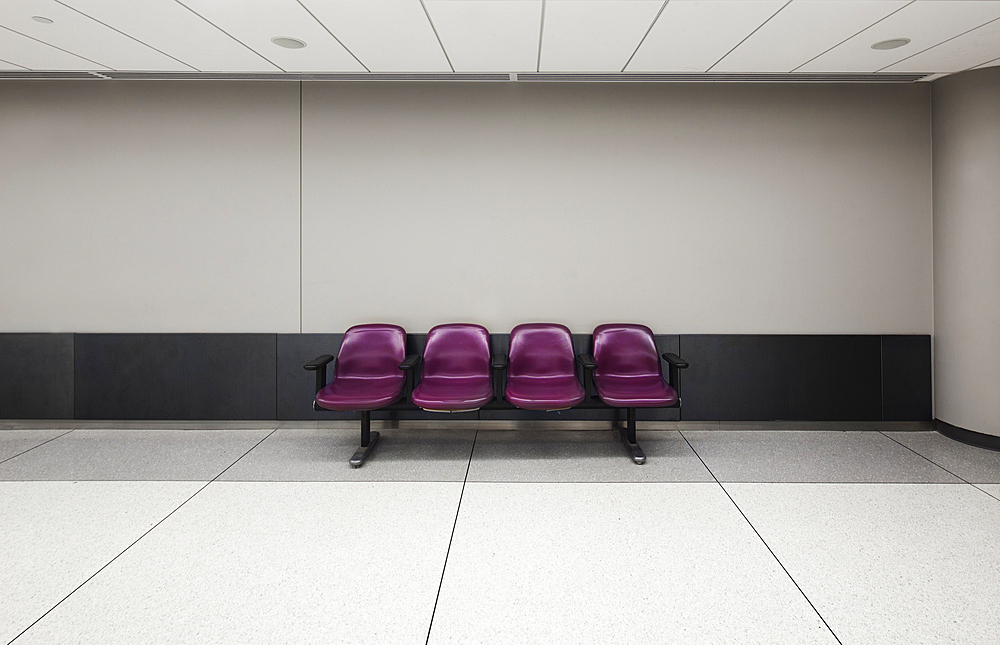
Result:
pixel 506 36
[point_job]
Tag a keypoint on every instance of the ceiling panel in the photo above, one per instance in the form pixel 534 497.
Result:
pixel 31 54
pixel 803 30
pixel 692 36
pixel 593 35
pixel 488 35
pixel 4 65
pixel 82 36
pixel 255 22
pixel 386 35
pixel 993 63
pixel 925 22
pixel 968 50
pixel 175 30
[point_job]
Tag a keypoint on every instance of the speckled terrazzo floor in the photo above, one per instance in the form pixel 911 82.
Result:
pixel 465 535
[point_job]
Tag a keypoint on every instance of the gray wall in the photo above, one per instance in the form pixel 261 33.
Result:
pixel 966 110
pixel 154 207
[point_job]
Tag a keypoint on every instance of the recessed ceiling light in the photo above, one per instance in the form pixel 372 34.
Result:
pixel 288 43
pixel 891 44
pixel 43 20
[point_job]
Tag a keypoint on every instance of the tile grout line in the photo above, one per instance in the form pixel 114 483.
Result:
pixel 973 484
pixel 761 538
pixel 452 537
pixel 38 446
pixel 927 459
pixel 136 541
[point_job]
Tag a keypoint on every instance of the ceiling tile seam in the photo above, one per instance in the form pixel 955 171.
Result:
pixel 332 35
pixel 434 29
pixel 28 69
pixel 992 60
pixel 643 39
pixel 939 44
pixel 541 32
pixel 126 35
pixel 55 47
pixel 759 27
pixel 230 35
pixel 822 53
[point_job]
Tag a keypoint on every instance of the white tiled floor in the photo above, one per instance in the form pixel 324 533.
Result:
pixel 459 536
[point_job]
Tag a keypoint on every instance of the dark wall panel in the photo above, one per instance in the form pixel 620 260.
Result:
pixel 36 376
pixel 175 376
pixel 782 377
pixel 906 378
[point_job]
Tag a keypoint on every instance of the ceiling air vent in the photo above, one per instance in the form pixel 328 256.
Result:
pixel 28 75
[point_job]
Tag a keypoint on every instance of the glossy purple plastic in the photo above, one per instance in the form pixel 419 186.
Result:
pixel 456 369
pixel 366 375
pixel 541 373
pixel 628 373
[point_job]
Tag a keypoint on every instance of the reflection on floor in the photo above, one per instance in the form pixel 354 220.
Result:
pixel 483 536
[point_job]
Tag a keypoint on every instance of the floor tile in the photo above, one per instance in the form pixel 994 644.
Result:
pixel 322 455
pixel 977 465
pixel 811 456
pixel 890 563
pixel 14 442
pixel 266 562
pixel 57 534
pixel 133 455
pixel 582 456
pixel 614 563
pixel 991 489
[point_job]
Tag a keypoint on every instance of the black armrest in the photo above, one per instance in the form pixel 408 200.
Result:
pixel 318 365
pixel 675 360
pixel 318 362
pixel 409 365
pixel 589 364
pixel 499 369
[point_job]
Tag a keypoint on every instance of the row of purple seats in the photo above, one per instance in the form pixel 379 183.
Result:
pixel 459 373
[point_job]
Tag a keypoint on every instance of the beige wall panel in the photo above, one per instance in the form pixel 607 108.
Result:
pixel 967 250
pixel 691 208
pixel 149 207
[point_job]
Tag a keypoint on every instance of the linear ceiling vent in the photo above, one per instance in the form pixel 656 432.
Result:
pixel 222 76
pixel 722 78
pixel 26 75
pixel 525 77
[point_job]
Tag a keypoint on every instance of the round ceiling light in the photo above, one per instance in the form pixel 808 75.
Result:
pixel 891 43
pixel 43 20
pixel 288 43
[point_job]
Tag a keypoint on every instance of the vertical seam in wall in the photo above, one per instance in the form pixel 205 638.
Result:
pixel 930 127
pixel 275 377
pixel 72 380
pixel 300 208
pixel 881 377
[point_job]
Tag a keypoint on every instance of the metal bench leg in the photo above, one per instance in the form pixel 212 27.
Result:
pixel 628 438
pixel 368 440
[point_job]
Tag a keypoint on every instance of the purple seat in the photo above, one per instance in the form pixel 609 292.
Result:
pixel 541 374
pixel 456 373
pixel 370 372
pixel 627 374
pixel 366 375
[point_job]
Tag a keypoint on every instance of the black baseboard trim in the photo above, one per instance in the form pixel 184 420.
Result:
pixel 977 439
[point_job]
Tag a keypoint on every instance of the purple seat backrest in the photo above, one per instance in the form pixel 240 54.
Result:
pixel 371 350
pixel 541 349
pixel 625 350
pixel 459 349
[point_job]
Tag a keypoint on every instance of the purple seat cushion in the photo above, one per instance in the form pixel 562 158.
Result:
pixel 366 375
pixel 541 374
pixel 456 373
pixel 628 368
